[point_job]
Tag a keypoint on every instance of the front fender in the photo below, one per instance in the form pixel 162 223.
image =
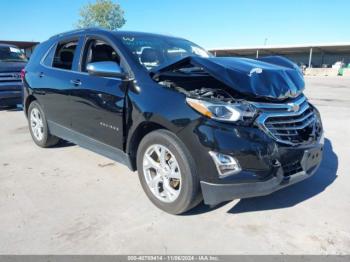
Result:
pixel 155 107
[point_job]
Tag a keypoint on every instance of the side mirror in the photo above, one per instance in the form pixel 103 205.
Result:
pixel 106 69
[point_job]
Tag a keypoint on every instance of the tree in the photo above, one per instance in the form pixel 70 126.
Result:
pixel 103 13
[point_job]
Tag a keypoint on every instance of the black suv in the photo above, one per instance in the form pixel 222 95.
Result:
pixel 194 126
pixel 12 61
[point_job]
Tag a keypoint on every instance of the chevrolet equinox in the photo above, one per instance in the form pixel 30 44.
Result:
pixel 195 126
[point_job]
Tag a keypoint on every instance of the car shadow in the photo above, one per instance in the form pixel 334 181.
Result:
pixel 203 208
pixel 290 196
pixel 297 193
pixel 63 143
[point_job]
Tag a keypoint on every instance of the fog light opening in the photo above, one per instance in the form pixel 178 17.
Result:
pixel 225 164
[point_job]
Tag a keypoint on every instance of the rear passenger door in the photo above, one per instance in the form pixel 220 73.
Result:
pixel 98 102
pixel 58 68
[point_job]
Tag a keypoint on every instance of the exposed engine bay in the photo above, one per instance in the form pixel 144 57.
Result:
pixel 268 79
pixel 199 87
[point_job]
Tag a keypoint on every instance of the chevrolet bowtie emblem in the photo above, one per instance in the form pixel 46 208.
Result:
pixel 293 107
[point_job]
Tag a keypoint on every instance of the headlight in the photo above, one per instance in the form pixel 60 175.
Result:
pixel 228 112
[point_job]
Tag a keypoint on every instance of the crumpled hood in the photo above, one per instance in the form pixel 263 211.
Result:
pixel 11 66
pixel 272 77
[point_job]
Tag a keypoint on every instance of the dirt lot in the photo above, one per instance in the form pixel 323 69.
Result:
pixel 68 200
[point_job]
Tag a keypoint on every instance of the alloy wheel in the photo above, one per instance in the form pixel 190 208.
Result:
pixel 162 173
pixel 36 124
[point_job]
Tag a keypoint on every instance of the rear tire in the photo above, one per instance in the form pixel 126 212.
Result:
pixel 38 126
pixel 167 172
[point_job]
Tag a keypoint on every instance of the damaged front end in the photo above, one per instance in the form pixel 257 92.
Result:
pixel 267 79
pixel 259 133
pixel 266 93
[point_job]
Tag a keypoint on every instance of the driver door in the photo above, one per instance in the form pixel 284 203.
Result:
pixel 98 102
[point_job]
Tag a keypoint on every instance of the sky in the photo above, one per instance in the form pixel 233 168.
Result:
pixel 209 23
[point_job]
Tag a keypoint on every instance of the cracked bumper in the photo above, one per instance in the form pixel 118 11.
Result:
pixel 216 193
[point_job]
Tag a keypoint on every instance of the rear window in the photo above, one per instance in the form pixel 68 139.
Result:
pixel 12 54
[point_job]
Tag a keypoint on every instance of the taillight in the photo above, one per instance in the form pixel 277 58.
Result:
pixel 23 74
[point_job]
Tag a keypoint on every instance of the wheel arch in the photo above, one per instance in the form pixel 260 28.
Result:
pixel 140 132
pixel 28 101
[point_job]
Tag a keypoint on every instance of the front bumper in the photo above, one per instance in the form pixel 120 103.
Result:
pixel 267 165
pixel 216 193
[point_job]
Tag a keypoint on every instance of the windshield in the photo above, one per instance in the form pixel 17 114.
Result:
pixel 11 54
pixel 156 51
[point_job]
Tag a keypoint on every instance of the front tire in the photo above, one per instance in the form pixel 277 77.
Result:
pixel 38 126
pixel 167 172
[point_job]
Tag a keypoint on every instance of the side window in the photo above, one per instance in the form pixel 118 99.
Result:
pixel 64 55
pixel 50 55
pixel 99 51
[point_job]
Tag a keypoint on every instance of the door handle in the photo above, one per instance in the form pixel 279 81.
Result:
pixel 41 74
pixel 75 82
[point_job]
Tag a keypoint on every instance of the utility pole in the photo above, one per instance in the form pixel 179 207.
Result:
pixel 310 57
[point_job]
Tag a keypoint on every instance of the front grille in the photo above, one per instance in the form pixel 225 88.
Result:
pixel 290 123
pixel 10 77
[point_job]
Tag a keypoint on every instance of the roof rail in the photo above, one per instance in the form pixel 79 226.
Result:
pixel 80 30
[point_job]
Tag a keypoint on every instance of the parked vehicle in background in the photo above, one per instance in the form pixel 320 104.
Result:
pixel 12 61
pixel 193 125
pixel 338 65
